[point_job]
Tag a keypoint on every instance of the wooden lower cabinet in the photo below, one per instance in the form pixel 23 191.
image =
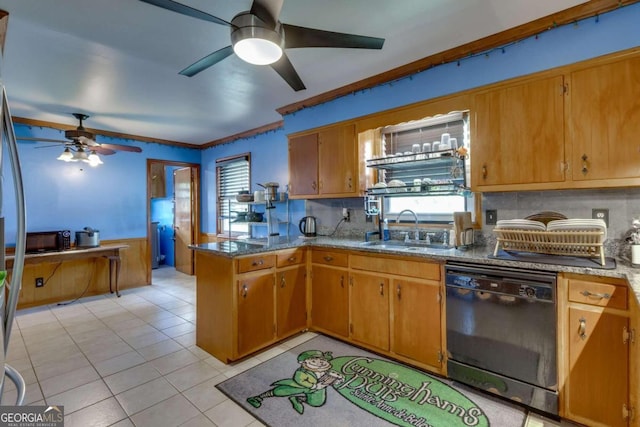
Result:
pixel 291 301
pixel 256 320
pixel 598 387
pixel 369 310
pixel 417 321
pixel 330 300
pixel 396 307
pixel 244 304
pixel 595 350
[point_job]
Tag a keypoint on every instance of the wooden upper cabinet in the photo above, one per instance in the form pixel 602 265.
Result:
pixel 519 136
pixel 338 160
pixel 327 163
pixel 604 121
pixel 158 180
pixel 303 165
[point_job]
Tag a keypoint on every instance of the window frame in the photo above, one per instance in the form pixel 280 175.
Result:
pixel 225 200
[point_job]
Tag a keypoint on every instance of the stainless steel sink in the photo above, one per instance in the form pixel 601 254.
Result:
pixel 407 246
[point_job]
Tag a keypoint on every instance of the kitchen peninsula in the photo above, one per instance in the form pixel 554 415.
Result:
pixel 391 300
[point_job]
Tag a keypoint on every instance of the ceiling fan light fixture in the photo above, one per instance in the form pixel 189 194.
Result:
pixel 81 155
pixel 253 42
pixel 94 159
pixel 66 156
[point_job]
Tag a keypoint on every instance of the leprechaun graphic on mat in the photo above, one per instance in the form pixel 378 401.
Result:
pixel 308 383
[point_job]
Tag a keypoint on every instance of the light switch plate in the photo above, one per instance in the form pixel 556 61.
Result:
pixel 601 214
pixel 491 216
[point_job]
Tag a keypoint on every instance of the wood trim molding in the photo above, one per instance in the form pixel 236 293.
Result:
pixel 246 134
pixel 576 13
pixel 60 126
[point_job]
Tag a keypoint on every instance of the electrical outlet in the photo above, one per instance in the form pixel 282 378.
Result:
pixel 491 216
pixel 346 214
pixel 39 282
pixel 601 214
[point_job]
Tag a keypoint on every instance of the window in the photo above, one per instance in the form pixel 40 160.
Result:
pixel 401 139
pixel 232 176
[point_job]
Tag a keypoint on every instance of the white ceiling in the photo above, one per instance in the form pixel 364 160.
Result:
pixel 118 60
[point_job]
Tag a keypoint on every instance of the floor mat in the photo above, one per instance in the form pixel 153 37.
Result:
pixel 325 382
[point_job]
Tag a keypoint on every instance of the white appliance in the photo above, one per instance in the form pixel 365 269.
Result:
pixel 8 307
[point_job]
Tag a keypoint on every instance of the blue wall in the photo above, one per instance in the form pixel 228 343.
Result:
pixel 592 37
pixel 111 197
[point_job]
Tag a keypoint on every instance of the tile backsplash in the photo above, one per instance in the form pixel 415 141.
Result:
pixel 623 204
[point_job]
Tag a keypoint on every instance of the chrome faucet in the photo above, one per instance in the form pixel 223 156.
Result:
pixel 417 232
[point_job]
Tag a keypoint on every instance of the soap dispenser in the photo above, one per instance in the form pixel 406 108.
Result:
pixel 385 230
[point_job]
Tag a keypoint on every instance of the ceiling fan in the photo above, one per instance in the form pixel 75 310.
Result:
pixel 258 37
pixel 81 145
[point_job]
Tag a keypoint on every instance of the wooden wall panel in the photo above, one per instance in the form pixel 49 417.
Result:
pixel 68 280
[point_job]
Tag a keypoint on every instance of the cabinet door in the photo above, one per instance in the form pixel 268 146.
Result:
pixel 597 387
pixel 604 121
pixel 370 310
pixel 519 134
pixel 158 180
pixel 330 300
pixel 416 323
pixel 303 165
pixel 256 321
pixel 291 306
pixel 337 160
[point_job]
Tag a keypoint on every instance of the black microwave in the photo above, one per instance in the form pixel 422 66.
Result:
pixel 48 241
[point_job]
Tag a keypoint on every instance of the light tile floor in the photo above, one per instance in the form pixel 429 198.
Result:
pixel 131 361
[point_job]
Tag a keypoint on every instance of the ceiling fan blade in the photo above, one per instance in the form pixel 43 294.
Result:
pixel 207 61
pixel 28 138
pixel 102 150
pixel 284 67
pixel 187 10
pixel 119 147
pixel 267 10
pixel 295 36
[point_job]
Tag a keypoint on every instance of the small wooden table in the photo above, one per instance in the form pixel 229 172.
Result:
pixel 111 252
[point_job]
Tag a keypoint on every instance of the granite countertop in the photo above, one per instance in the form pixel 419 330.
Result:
pixel 476 255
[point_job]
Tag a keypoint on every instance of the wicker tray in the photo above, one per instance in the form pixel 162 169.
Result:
pixel 572 243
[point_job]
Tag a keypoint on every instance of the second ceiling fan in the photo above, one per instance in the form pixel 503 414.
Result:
pixel 257 36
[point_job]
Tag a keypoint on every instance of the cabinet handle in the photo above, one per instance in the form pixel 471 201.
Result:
pixel 398 291
pixel 257 263
pixel 245 290
pixel 328 258
pixel 349 184
pixel 282 281
pixel 484 171
pixel 342 281
pixel 382 289
pixel 291 259
pixel 582 330
pixel 595 295
pixel 585 169
pixel 314 185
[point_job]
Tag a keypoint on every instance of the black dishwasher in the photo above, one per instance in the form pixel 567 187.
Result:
pixel 501 332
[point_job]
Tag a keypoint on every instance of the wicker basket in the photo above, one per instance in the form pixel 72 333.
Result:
pixel 571 243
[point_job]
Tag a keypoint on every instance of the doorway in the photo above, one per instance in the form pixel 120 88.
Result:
pixel 173 213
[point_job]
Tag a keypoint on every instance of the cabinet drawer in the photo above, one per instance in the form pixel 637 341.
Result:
pixel 290 257
pixel 257 262
pixel 403 267
pixel 596 293
pixel 338 259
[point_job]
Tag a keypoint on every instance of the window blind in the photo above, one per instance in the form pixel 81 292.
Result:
pixel 232 176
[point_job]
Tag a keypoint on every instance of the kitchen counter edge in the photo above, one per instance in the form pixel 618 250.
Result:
pixel 476 255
